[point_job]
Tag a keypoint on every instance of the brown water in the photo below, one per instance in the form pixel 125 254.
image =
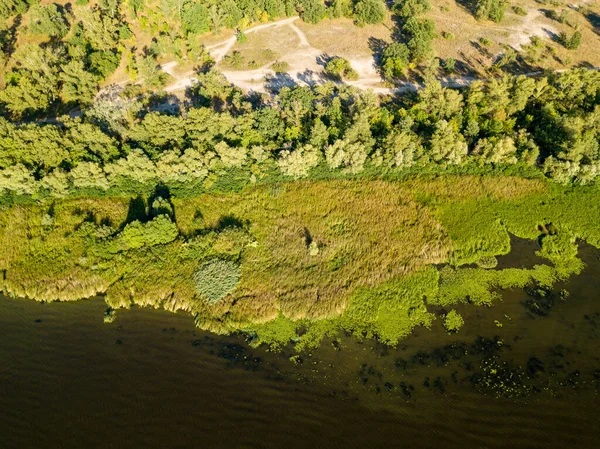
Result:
pixel 151 380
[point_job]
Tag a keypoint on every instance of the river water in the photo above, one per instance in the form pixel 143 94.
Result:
pixel 152 380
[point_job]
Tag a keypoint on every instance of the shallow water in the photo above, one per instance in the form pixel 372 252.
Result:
pixel 152 380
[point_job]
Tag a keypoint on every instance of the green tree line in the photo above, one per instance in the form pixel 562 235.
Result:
pixel 550 123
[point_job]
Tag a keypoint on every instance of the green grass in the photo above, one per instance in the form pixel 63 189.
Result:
pixel 377 246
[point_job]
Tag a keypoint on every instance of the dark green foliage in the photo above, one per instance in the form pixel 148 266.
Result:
pixel 369 11
pixel 216 279
pixel 312 11
pixel 570 43
pixel 395 60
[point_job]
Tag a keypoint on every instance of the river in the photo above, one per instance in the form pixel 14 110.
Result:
pixel 511 378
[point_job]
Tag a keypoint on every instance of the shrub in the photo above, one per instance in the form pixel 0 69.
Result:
pixel 487 262
pixel 280 67
pixel 453 321
pixel 448 35
pixel 339 68
pixel 519 10
pixel 450 64
pixel 216 279
pixel 570 43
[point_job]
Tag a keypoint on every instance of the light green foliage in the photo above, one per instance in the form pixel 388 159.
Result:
pixel 350 156
pixel 18 179
pixel 159 231
pixel 453 321
pixel 136 167
pixel 340 68
pixel 231 156
pixel 78 84
pixel 312 11
pixel 447 144
pixel 297 163
pixel 420 32
pixel 216 279
pixel 194 18
pixel 497 150
pixel 280 67
pixel 48 21
pixel 411 8
pixel 402 149
pixel 393 309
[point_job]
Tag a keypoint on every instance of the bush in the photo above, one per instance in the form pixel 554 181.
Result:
pixel 339 68
pixel 487 262
pixel 570 43
pixel 519 10
pixel 448 35
pixel 280 67
pixel 453 321
pixel 216 279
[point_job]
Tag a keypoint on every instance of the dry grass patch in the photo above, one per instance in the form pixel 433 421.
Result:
pixel 340 37
pixel 317 242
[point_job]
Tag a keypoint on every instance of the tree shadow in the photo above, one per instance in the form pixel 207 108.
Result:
pixel 165 103
pixel 8 37
pixel 323 59
pixel 136 211
pixel 377 46
pixel 274 83
pixel 310 77
pixel 160 202
pixel 594 19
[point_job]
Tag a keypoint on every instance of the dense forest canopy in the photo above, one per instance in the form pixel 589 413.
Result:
pixel 549 123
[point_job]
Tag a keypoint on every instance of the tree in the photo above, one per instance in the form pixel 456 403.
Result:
pixel 497 150
pixel 231 156
pixel 297 163
pixel 195 19
pixel 411 8
pixel 395 60
pixel 570 43
pixel 490 9
pixel 312 11
pixel 401 149
pixel 447 144
pixel 369 11
pixel 87 142
pixel 78 85
pixel 420 33
pixel 48 21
